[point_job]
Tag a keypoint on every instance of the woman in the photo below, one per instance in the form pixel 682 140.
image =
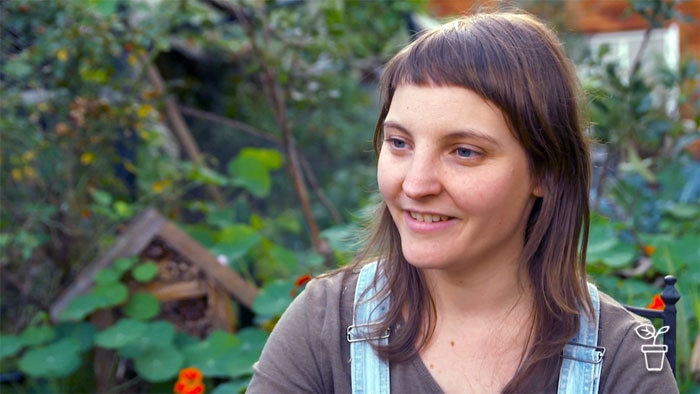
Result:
pixel 479 241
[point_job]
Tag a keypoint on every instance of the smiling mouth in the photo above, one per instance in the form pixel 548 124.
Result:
pixel 429 218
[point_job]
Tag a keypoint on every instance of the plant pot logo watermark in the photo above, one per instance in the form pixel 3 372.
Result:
pixel 653 354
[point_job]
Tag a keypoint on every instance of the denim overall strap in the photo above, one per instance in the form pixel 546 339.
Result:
pixel 582 358
pixel 370 374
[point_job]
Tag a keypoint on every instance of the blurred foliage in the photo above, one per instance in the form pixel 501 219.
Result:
pixel 86 145
pixel 646 196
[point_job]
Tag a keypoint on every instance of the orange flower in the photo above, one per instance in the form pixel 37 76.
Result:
pixel 302 280
pixel 299 283
pixel 189 382
pixel 657 303
pixel 649 250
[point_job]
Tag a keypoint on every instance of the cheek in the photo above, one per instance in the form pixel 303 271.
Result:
pixel 385 177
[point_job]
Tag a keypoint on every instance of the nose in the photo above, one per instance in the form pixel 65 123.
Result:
pixel 422 178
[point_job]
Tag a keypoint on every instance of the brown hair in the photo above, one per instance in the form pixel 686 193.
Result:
pixel 515 62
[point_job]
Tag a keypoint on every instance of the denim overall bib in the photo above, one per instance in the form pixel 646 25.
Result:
pixel 582 358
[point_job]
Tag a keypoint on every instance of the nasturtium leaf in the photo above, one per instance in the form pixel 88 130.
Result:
pixel 10 345
pixel 601 239
pixel 283 257
pixel 209 354
pixel 58 359
pixel 108 275
pixel 234 386
pixel 38 335
pixel 159 363
pixel 241 359
pixel 82 332
pixel 123 264
pixel 113 293
pixel 145 272
pixel 142 306
pixel 124 332
pixel 83 305
pixel 157 334
pixel 676 254
pixel 223 340
pixel 273 298
pixel 621 255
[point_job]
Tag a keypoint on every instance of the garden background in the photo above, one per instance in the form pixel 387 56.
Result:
pixel 248 123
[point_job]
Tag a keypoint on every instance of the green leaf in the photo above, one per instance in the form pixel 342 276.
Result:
pixel 145 272
pixel 232 387
pixel 123 264
pixel 235 241
pixel 270 158
pixel 159 363
pixel 123 209
pixel 104 7
pixel 82 332
pixel 240 361
pixel 283 257
pixel 38 335
pixel 108 275
pixel 17 68
pixel 101 197
pixel 56 360
pixel 113 293
pixel 124 332
pixel 206 176
pixel 10 345
pixel 683 211
pixel 674 255
pixel 142 306
pixel 273 298
pixel 621 255
pixel 209 355
pixel 250 174
pixel 601 239
pixel 157 334
pixel 83 305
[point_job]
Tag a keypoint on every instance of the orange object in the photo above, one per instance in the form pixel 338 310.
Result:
pixel 189 382
pixel 657 303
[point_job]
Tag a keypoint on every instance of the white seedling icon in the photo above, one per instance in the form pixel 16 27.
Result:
pixel 654 353
pixel 647 331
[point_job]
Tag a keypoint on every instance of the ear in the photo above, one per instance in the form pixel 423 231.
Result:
pixel 538 190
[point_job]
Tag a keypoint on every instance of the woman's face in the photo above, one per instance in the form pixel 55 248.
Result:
pixel 456 181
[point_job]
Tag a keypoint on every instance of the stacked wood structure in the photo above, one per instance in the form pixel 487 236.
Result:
pixel 197 293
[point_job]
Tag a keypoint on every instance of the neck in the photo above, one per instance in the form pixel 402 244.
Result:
pixel 484 291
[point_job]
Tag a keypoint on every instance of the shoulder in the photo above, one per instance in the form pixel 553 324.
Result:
pixel 624 364
pixel 306 351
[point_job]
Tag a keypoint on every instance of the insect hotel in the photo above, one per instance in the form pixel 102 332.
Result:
pixel 194 289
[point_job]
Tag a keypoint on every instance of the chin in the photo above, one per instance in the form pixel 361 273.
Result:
pixel 425 261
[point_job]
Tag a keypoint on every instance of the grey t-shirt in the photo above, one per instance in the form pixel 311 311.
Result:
pixel 308 351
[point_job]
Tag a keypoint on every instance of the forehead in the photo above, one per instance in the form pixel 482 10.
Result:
pixel 444 108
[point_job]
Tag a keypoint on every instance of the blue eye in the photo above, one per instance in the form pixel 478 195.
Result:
pixel 397 143
pixel 466 152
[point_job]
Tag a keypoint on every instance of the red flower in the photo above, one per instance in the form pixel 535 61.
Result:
pixel 302 280
pixel 657 303
pixel 299 283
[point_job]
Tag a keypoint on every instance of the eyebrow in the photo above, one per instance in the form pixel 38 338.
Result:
pixel 457 134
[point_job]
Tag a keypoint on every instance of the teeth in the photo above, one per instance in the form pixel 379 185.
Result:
pixel 428 217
